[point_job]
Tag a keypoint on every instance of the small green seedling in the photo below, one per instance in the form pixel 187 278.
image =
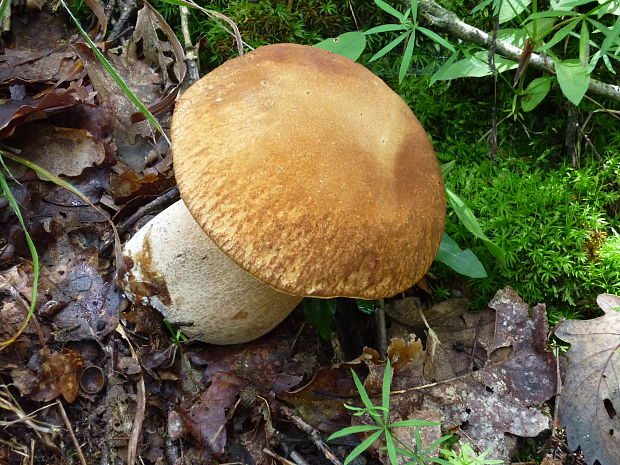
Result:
pixel 418 455
pixel 382 427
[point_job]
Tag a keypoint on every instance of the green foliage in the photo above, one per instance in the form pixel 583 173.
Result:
pixel 320 314
pixel 265 22
pixel 382 428
pixel 467 456
pixel 558 228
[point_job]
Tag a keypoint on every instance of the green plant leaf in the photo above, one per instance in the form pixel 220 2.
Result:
pixel 447 167
pixel 385 28
pixel 320 314
pixel 389 46
pixel 463 262
pixel 349 44
pixel 391 449
pixel 362 446
pixel 406 62
pixel 584 44
pixel 558 36
pixel 4 5
pixel 475 65
pixel 470 222
pixel 536 92
pixel 512 8
pixel 353 430
pixel 365 399
pixel 573 79
pixel 481 5
pixel 385 390
pixel 413 423
pixel 365 306
pixel 390 10
pixel 437 38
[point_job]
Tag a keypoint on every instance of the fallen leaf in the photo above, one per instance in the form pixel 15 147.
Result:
pixel 590 398
pixel 57 375
pixel 61 151
pixel 206 419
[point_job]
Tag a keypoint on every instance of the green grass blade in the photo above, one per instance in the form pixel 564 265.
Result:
pixel 414 423
pixel 365 399
pixel 110 69
pixel 33 252
pixel 362 447
pixel 353 430
pixel 389 46
pixel 385 390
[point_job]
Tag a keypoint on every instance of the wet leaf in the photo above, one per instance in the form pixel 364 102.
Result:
pixel 590 397
pixel 207 417
pixel 58 376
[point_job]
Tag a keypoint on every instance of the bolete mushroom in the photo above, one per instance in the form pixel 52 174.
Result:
pixel 301 174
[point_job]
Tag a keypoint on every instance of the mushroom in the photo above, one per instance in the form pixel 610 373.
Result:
pixel 301 174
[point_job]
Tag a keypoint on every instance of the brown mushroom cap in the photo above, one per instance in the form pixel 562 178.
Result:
pixel 310 173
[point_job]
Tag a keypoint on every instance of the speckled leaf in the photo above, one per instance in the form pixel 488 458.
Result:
pixel 590 398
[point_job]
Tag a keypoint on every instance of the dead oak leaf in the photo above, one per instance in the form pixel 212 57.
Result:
pixel 58 376
pixel 590 397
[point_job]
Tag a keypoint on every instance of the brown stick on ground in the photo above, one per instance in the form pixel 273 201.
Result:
pixel 313 433
pixel 64 417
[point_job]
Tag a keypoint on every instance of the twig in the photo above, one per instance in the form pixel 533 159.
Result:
pixel 278 457
pixel 191 57
pixel 162 201
pixel 132 447
pixel 314 435
pixel 444 19
pixel 381 331
pixel 558 393
pixel 78 449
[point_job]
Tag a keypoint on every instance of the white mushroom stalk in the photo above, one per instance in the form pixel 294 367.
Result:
pixel 178 270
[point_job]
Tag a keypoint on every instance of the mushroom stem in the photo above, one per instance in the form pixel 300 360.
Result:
pixel 179 271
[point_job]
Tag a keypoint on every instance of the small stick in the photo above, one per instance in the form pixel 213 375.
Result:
pixel 191 58
pixel 132 447
pixel 278 457
pixel 314 435
pixel 163 200
pixel 381 331
pixel 63 414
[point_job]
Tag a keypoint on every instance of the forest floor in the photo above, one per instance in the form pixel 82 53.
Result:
pixel 95 379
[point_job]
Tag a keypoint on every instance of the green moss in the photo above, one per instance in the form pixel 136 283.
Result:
pixel 558 229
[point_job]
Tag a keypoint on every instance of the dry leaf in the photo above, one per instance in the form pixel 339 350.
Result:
pixel 590 397
pixel 58 375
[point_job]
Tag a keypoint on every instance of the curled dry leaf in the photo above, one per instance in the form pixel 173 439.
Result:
pixel 590 398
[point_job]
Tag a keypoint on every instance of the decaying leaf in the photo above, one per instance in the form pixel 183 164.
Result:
pixel 590 398
pixel 57 375
pixel 488 374
pixel 206 419
pixel 62 151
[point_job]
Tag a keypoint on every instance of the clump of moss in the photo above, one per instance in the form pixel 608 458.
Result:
pixel 558 229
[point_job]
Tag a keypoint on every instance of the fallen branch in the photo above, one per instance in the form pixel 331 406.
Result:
pixel 446 20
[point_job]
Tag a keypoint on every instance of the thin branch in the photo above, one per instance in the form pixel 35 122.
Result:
pixel 445 19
